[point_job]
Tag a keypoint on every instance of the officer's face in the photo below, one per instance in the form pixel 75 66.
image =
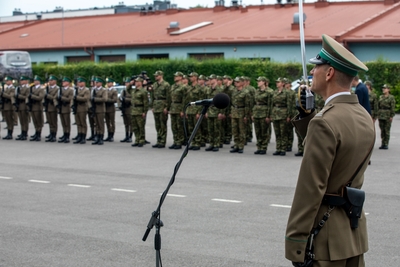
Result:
pixel 36 82
pixel 65 83
pixel 98 84
pixel 52 82
pixel 81 84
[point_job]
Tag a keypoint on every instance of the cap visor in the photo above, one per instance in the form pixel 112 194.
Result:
pixel 316 61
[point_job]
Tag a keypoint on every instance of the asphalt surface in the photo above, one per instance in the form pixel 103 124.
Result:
pixel 85 205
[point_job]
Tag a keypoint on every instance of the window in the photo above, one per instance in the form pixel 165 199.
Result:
pixel 112 58
pixel 257 58
pixel 50 63
pixel 203 56
pixel 153 56
pixel 78 59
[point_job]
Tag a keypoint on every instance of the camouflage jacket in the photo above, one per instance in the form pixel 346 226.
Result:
pixel 262 106
pixel 213 111
pixel 159 96
pixel 386 107
pixel 373 102
pixel 240 104
pixel 281 105
pixel 193 94
pixel 139 101
pixel 177 96
pixel 319 103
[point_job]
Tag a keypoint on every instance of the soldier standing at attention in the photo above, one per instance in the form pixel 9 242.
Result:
pixel 36 98
pixel 193 112
pixel 175 107
pixel 99 98
pixel 386 109
pixel 251 91
pixel 227 123
pixel 124 103
pixel 339 142
pixel 373 100
pixel 240 111
pixel 140 106
pixel 23 109
pixel 82 99
pixel 214 117
pixel 261 115
pixel 280 116
pixel 159 106
pixel 50 97
pixel 8 97
pixel 112 97
pixel 293 96
pixel 91 115
pixel 67 93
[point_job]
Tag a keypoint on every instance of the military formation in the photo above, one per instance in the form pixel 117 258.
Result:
pixel 97 100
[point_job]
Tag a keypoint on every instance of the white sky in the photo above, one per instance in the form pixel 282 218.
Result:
pixel 8 6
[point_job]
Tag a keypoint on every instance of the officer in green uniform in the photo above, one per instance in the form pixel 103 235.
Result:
pixel 175 108
pixel 214 117
pixel 300 139
pixel 373 100
pixel 98 98
pixel 82 99
pixel 193 112
pixel 281 105
pixel 67 94
pixel 49 98
pixel 91 115
pixel 36 100
pixel 22 108
pixel 261 115
pixel 159 105
pixel 112 97
pixel 240 112
pixel 386 108
pixel 140 106
pixel 124 104
pixel 8 98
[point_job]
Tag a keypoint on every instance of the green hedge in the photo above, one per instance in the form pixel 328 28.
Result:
pixel 380 72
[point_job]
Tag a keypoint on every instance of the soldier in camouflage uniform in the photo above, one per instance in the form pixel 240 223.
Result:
pixel 251 91
pixel 214 116
pixel 175 107
pixel 290 134
pixel 280 115
pixel 204 124
pixel 240 112
pixel 227 123
pixel 140 106
pixel 124 104
pixel 319 103
pixel 386 109
pixel 159 104
pixel 261 115
pixel 193 112
pixel 373 101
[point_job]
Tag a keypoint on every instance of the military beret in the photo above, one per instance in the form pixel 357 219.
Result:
pixel 81 79
pixel 338 57
pixel 212 76
pixel 193 74
pixel 110 80
pixel 53 77
pixel 66 79
pixel 239 79
pixel 159 73
pixel 386 86
pixel 227 77
pixel 178 73
pixel 8 78
pixel 98 79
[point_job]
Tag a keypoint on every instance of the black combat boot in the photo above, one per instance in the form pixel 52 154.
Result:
pixel 111 137
pixel 53 138
pixel 91 138
pixel 33 137
pixel 38 138
pixel 78 139
pixel 83 139
pixel 48 136
pixel 62 138
pixel 126 138
pixel 24 136
pixel 108 137
pixel 20 136
pixel 101 139
pixel 66 140
pixel 96 139
pixel 8 136
pixel 130 138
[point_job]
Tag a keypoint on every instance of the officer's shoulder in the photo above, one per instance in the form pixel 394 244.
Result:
pixel 325 109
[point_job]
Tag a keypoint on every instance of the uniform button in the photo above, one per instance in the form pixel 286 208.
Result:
pixel 298 252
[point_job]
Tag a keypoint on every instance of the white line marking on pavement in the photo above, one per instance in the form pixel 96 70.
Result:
pixel 39 181
pixel 280 206
pixel 5 178
pixel 123 190
pixel 226 200
pixel 174 195
pixel 367 213
pixel 79 185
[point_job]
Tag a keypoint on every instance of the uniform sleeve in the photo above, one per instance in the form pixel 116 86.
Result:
pixel 320 150
pixel 392 107
pixel 145 101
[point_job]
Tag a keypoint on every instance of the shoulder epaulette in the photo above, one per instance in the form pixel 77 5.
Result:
pixel 324 110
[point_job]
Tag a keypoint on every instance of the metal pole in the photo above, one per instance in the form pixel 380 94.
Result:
pixel 302 41
pixel 62 28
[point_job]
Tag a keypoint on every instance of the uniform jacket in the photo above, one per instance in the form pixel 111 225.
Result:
pixel 82 99
pixel 281 105
pixel 8 97
pixel 213 111
pixel 262 104
pixel 23 95
pixel 373 102
pixel 140 101
pixel 240 104
pixel 37 98
pixel 52 96
pixel 337 140
pixel 112 98
pixel 100 99
pixel 159 96
pixel 175 104
pixel 386 107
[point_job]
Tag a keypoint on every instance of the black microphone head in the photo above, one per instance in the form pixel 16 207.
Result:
pixel 221 101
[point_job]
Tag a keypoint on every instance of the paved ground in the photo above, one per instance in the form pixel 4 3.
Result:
pixel 84 205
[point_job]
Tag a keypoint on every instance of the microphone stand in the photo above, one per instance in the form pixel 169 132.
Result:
pixel 155 219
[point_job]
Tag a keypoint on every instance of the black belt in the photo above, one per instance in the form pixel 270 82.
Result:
pixel 333 200
pixel 239 106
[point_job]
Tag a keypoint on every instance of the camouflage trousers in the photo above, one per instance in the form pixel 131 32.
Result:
pixel 227 126
pixel 261 130
pixel 239 132
pixel 177 129
pixel 290 135
pixel 280 128
pixel 160 120
pixel 204 131
pixel 191 120
pixel 385 125
pixel 269 133
pixel 214 131
pixel 249 130
pixel 138 124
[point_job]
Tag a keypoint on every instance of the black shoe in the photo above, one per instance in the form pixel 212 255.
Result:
pixel 210 148
pixel 178 147
pixel 62 138
pixel 227 142
pixel 283 153
pixel 172 146
pixel 108 138
pixel 369 163
pixel 262 152
pixel 101 139
pixel 221 146
pixel 8 136
pixel 240 151
pixel 33 136
pixel 126 138
pixel 195 148
pixel 135 144
pixel 48 136
pixel 130 138
pixel 91 138
pixel 38 138
pixel 83 139
pixel 383 147
pixel 111 137
pixel 289 149
pixel 66 139
pixel 78 139
pixel 298 154
pixel 257 152
pixel 161 146
pixel 155 146
pixel 276 153
pixel 146 142
pixel 234 150
pixel 96 140
pixel 215 149
pixel 203 144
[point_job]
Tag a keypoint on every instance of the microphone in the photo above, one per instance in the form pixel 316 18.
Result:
pixel 220 101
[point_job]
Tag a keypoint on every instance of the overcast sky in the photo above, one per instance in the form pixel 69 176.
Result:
pixel 8 6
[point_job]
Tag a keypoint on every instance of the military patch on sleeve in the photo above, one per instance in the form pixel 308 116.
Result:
pixel 325 109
